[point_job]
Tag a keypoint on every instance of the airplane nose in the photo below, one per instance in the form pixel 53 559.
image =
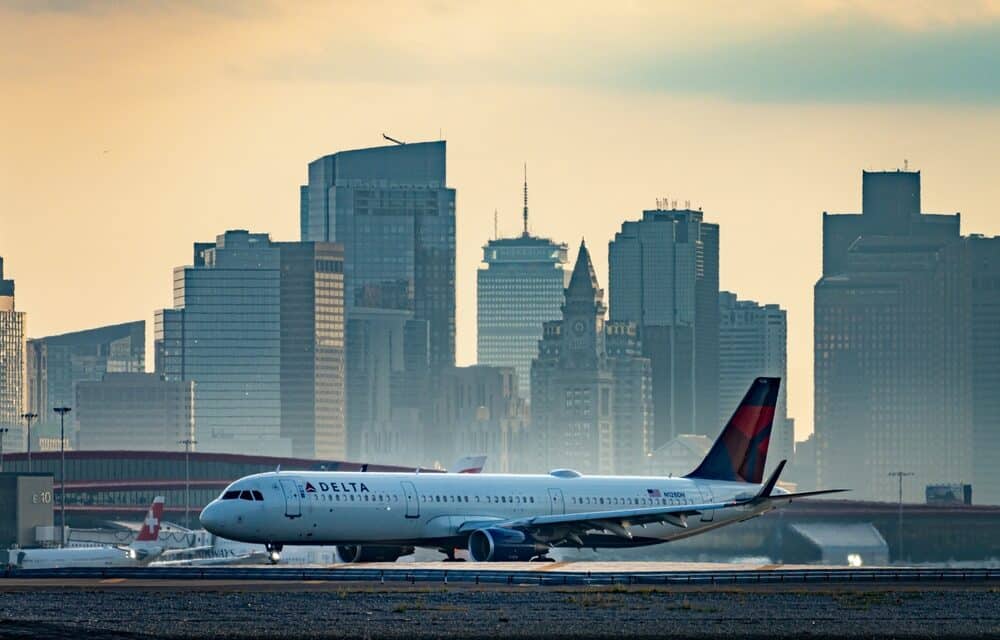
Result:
pixel 211 518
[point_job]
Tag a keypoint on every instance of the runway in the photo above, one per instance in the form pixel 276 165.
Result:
pixel 515 574
pixel 572 600
pixel 352 603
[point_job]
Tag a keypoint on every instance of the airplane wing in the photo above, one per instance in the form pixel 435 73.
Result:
pixel 570 526
pixel 246 558
pixel 176 551
pixel 617 522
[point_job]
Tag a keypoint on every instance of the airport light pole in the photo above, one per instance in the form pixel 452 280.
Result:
pixel 29 417
pixel 188 443
pixel 62 411
pixel 3 430
pixel 899 524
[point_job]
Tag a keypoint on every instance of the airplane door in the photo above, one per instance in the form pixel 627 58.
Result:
pixel 293 504
pixel 412 500
pixel 557 502
pixel 706 496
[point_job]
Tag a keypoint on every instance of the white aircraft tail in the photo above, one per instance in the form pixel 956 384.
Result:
pixel 468 464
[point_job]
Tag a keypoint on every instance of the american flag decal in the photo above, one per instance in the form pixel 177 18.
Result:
pixel 654 493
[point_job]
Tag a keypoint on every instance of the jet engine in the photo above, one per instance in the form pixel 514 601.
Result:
pixel 371 553
pixel 498 545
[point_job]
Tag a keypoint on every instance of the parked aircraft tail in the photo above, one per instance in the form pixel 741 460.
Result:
pixel 468 464
pixel 740 451
pixel 151 525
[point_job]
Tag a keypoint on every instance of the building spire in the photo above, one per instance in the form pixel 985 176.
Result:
pixel 583 281
pixel 525 214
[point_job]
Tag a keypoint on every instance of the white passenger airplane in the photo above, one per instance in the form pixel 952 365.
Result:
pixel 145 548
pixel 381 516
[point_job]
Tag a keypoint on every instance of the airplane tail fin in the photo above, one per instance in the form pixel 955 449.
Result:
pixel 151 525
pixel 740 451
pixel 469 464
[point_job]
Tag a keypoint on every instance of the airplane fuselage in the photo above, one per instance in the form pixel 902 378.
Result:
pixel 434 509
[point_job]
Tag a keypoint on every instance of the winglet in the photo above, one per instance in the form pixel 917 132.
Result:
pixel 768 487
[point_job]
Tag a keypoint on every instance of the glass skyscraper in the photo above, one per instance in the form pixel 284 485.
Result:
pixel 391 210
pixel 753 343
pixel 519 290
pixel 982 261
pixel 664 277
pixel 57 364
pixel 259 327
pixel 12 367
pixel 891 345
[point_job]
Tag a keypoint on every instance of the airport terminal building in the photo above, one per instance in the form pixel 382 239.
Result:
pixel 106 486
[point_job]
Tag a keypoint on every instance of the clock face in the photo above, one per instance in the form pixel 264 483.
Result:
pixel 579 327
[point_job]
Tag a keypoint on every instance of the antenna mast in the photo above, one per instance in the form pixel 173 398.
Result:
pixel 496 225
pixel 525 232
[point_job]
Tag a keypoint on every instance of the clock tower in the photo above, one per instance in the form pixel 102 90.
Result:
pixel 583 317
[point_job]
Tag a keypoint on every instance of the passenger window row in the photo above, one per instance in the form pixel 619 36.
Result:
pixel 592 500
pixel 385 498
pixel 486 499
pixel 350 497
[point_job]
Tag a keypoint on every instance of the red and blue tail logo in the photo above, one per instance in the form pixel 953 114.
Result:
pixel 740 451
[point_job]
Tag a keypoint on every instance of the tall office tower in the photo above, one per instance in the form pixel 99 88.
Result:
pixel 891 336
pixel 57 364
pixel 520 288
pixel 983 260
pixel 480 412
pixel 391 210
pixel 753 343
pixel 13 387
pixel 135 412
pixel 632 399
pixel 258 326
pixel 387 386
pixel 664 277
pixel 576 397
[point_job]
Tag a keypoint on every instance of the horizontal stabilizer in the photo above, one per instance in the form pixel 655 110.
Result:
pixel 807 494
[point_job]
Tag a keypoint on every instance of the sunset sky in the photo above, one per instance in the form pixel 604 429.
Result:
pixel 128 131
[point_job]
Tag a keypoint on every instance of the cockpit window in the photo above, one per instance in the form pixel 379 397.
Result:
pixel 230 495
pixel 246 495
pixel 257 495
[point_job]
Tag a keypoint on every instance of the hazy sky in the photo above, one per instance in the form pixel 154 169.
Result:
pixel 128 131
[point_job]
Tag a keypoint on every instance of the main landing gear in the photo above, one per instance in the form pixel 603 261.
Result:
pixel 450 555
pixel 273 552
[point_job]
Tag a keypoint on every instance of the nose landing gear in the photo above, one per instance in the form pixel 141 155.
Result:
pixel 273 552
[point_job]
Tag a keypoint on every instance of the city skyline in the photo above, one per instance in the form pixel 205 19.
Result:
pixel 764 166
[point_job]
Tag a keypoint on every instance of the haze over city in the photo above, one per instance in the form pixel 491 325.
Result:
pixel 468 319
pixel 132 131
